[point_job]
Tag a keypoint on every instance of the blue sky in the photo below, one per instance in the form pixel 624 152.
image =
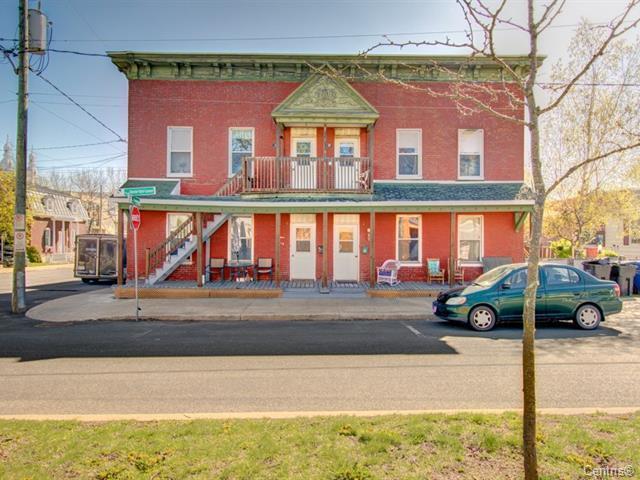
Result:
pixel 214 26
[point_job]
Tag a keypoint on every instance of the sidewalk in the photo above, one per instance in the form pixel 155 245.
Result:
pixel 101 305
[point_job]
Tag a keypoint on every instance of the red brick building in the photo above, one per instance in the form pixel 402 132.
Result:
pixel 328 174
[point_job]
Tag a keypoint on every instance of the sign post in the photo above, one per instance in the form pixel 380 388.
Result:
pixel 134 214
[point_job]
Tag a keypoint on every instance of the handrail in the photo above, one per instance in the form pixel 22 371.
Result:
pixel 307 174
pixel 233 185
pixel 163 251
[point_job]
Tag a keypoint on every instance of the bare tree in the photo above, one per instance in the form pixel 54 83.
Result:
pixel 521 90
pixel 93 187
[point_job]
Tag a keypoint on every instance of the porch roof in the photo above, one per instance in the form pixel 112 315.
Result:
pixel 387 196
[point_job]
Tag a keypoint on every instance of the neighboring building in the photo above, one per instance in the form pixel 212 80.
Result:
pixel 327 177
pixel 57 219
pixel 7 162
pixel 622 236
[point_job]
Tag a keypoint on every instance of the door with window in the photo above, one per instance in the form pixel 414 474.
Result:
pixel 303 166
pixel 511 300
pixel 347 163
pixel 563 288
pixel 346 266
pixel 303 250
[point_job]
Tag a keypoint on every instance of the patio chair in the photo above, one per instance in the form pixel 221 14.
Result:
pixel 264 267
pixel 458 272
pixel 388 272
pixel 434 272
pixel 216 265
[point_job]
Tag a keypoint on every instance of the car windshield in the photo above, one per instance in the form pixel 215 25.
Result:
pixel 492 276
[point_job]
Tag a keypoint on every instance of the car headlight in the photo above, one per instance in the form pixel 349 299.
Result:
pixel 456 301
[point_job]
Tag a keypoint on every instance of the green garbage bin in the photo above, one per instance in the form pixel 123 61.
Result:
pixel 625 279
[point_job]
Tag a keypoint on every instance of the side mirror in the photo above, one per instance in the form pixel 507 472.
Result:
pixel 506 286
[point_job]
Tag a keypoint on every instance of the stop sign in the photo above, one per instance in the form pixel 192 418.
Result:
pixel 135 217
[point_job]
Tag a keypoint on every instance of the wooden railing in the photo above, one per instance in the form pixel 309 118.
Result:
pixel 155 257
pixel 307 174
pixel 233 185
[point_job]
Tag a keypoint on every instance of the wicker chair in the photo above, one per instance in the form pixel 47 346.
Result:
pixel 388 272
pixel 434 272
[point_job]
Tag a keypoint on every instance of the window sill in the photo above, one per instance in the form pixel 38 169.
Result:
pixel 411 264
pixel 462 179
pixel 408 177
pixel 179 175
pixel 470 263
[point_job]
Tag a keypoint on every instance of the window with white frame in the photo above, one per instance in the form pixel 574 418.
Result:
pixel 241 238
pixel 409 153
pixel 180 151
pixel 471 154
pixel 408 239
pixel 47 237
pixel 240 146
pixel 174 220
pixel 470 238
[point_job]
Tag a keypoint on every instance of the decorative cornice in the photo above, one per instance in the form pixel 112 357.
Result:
pixel 298 67
pixel 325 99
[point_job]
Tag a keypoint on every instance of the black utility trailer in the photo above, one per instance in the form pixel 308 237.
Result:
pixel 96 257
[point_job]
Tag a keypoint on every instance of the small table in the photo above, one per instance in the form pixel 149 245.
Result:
pixel 240 268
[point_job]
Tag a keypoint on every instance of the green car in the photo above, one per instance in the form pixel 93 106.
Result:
pixel 565 293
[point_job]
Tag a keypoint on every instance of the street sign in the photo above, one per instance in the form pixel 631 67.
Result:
pixel 135 218
pixel 135 201
pixel 19 241
pixel 139 191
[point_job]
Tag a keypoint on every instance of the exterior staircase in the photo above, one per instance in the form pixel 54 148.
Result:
pixel 167 256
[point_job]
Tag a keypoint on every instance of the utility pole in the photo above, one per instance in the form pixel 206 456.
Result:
pixel 18 302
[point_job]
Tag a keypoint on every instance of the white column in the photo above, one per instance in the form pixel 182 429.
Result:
pixel 54 237
pixel 64 238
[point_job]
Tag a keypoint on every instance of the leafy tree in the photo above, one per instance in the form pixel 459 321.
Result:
pixel 7 205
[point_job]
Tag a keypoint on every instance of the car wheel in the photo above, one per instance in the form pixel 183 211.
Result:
pixel 86 280
pixel 588 317
pixel 482 318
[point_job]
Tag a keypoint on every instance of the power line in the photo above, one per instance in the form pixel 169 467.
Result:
pixel 100 161
pixel 81 107
pixel 76 146
pixel 86 54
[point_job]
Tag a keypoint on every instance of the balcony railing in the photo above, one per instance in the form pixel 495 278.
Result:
pixel 306 175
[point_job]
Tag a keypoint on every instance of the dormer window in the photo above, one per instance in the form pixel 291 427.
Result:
pixel 74 206
pixel 48 203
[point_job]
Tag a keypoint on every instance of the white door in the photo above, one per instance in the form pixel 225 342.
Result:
pixel 347 168
pixel 346 265
pixel 303 167
pixel 303 251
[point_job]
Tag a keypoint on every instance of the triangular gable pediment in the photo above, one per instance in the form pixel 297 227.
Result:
pixel 325 99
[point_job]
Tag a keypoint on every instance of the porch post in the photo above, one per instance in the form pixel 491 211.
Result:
pixel 55 236
pixel 199 247
pixel 370 139
pixel 325 248
pixel 325 185
pixel 64 238
pixel 119 254
pixel 277 262
pixel 452 249
pixel 372 248
pixel 279 154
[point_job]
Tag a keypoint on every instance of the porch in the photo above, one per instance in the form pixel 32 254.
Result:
pixel 270 289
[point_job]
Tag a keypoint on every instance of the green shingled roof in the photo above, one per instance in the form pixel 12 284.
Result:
pixel 458 192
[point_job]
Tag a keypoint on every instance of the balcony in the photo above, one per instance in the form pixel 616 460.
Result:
pixel 301 175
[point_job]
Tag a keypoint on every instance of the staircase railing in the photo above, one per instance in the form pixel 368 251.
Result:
pixel 233 185
pixel 162 252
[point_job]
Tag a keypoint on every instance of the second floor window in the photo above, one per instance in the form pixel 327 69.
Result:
pixel 470 154
pixel 240 146
pixel 180 151
pixel 409 153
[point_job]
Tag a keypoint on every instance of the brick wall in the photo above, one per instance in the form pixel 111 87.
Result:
pixel 211 108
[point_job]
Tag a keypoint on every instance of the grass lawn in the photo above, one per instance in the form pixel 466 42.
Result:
pixel 332 448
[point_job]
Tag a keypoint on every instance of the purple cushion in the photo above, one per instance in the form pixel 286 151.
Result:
pixel 385 273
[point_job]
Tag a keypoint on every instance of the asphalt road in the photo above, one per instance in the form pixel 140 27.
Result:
pixel 208 367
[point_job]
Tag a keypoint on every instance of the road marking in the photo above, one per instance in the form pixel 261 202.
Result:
pixel 416 332
pixel 146 332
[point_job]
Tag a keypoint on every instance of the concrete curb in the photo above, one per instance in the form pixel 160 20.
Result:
pixel 151 417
